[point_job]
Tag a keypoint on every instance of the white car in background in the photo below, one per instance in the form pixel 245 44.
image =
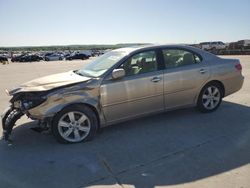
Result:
pixel 217 45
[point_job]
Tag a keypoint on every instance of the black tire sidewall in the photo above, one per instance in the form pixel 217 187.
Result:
pixel 80 108
pixel 5 117
pixel 200 105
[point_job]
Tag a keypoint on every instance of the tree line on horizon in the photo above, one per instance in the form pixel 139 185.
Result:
pixel 68 47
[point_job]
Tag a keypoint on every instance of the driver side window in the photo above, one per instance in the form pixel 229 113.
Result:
pixel 140 63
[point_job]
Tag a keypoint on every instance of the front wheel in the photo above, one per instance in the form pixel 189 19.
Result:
pixel 210 97
pixel 74 124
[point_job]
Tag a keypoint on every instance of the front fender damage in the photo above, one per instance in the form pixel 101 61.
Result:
pixel 9 119
pixel 43 105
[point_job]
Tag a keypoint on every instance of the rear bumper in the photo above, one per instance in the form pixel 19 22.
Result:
pixel 233 84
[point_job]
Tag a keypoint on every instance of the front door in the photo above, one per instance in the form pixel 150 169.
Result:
pixel 139 92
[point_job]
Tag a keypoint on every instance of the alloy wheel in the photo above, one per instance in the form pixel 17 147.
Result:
pixel 211 97
pixel 74 126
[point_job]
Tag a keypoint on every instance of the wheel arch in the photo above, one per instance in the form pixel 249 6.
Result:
pixel 214 81
pixel 92 107
pixel 209 82
pixel 219 83
pixel 199 102
pixel 88 110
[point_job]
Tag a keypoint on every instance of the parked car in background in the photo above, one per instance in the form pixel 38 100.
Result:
pixel 218 45
pixel 88 53
pixel 17 58
pixel 66 55
pixel 124 84
pixel 243 44
pixel 77 56
pixel 53 57
pixel 3 58
pixel 27 58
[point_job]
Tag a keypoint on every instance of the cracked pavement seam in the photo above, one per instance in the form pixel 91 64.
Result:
pixel 115 175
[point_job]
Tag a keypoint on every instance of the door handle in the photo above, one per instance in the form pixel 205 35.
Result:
pixel 203 71
pixel 156 79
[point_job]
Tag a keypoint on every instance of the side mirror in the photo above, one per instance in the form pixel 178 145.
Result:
pixel 118 73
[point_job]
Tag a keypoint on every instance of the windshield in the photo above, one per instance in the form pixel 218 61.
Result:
pixel 100 65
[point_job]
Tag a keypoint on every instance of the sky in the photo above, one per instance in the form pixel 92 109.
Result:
pixel 67 22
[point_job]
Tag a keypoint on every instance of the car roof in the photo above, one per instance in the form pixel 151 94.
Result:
pixel 155 46
pixel 134 49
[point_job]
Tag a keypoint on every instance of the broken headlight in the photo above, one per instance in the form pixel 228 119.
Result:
pixel 28 100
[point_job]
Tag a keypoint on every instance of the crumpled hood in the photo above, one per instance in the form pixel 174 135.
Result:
pixel 50 82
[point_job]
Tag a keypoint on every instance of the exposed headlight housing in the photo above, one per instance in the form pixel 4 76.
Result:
pixel 17 104
pixel 28 100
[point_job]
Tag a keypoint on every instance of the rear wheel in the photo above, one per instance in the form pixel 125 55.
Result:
pixel 74 124
pixel 210 97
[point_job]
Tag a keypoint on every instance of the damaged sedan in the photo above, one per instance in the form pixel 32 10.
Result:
pixel 123 84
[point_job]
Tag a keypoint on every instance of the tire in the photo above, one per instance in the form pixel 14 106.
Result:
pixel 7 113
pixel 210 97
pixel 9 120
pixel 74 124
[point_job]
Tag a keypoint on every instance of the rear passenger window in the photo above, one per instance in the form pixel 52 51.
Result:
pixel 176 58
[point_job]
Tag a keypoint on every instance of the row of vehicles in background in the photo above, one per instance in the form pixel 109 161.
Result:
pixel 241 44
pixel 52 56
pixel 219 45
pixel 26 58
pixel 68 56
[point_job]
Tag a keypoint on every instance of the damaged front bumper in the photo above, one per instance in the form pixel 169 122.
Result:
pixel 9 118
pixel 20 104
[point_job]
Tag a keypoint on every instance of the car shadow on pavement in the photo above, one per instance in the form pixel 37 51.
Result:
pixel 165 149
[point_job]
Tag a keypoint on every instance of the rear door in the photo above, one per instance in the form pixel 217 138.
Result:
pixel 184 74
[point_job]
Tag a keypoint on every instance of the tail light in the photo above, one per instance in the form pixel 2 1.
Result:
pixel 238 67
